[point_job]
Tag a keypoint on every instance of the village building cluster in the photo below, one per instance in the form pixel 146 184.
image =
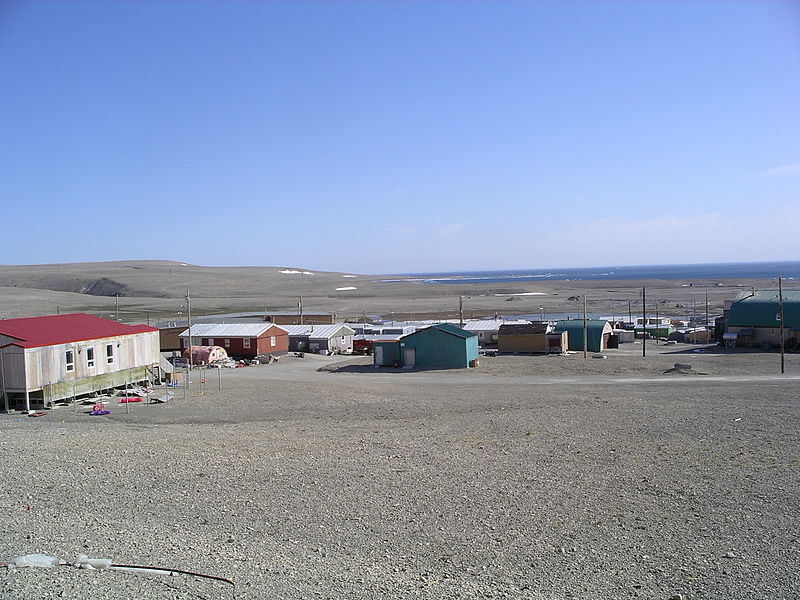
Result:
pixel 49 359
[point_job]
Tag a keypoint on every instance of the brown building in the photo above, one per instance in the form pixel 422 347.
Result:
pixel 533 337
pixel 240 340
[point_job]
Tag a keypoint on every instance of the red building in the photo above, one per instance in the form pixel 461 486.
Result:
pixel 240 340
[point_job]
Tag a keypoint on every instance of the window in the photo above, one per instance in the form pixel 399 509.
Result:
pixel 210 342
pixel 110 353
pixel 69 356
pixel 246 342
pixel 90 357
pixel 272 341
pixel 227 343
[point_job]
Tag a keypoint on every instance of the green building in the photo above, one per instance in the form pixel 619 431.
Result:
pixel 753 318
pixel 597 333
pixel 440 346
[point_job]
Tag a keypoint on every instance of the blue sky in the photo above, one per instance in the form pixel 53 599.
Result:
pixel 405 136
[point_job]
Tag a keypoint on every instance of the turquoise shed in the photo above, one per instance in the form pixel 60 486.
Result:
pixel 597 333
pixel 440 346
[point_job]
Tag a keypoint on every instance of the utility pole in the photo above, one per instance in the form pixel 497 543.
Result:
pixel 780 304
pixel 189 321
pixel 630 315
pixel 116 307
pixel 708 331
pixel 461 312
pixel 300 309
pixel 644 324
pixel 585 332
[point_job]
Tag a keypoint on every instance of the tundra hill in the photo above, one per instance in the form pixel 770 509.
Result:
pixel 153 290
pixel 167 279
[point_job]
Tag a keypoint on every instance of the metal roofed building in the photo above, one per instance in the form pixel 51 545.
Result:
pixel 171 329
pixel 755 318
pixel 598 333
pixel 440 346
pixel 337 337
pixel 488 329
pixel 244 340
pixel 50 358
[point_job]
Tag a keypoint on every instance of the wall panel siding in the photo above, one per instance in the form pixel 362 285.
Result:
pixel 46 366
pixel 14 368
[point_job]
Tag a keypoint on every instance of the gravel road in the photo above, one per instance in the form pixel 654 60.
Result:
pixel 525 478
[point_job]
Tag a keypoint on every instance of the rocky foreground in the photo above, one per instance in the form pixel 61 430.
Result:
pixel 509 481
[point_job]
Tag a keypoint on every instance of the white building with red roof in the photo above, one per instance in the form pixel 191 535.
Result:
pixel 45 359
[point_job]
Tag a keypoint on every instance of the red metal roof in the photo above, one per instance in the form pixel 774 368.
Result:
pixel 33 332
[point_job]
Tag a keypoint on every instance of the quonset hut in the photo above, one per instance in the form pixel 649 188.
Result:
pixel 598 333
pixel 45 359
pixel 753 318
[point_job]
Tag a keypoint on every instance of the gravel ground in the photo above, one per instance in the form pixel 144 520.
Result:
pixel 529 477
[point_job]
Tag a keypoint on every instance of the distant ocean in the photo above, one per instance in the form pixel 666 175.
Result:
pixel 712 271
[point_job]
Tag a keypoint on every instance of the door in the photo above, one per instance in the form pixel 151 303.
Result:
pixel 409 357
pixel 378 360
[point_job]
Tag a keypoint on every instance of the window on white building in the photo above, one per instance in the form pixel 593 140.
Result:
pixel 90 357
pixel 69 357
pixel 110 353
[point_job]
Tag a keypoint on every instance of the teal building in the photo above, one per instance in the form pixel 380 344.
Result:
pixel 597 333
pixel 440 346
pixel 754 318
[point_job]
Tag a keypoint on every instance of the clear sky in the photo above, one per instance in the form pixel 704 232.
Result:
pixel 404 136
